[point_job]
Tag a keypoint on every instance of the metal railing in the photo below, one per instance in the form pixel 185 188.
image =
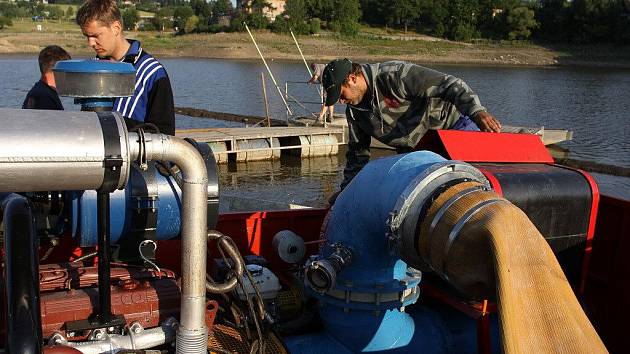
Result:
pixel 289 98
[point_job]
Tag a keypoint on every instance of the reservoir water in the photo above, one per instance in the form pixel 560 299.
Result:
pixel 592 102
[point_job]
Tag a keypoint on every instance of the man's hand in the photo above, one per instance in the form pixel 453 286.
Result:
pixel 486 122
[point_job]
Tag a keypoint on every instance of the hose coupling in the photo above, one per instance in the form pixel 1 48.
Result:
pixel 321 274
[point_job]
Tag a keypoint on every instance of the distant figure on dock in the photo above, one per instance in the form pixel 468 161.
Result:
pixel 396 103
pixel 44 95
pixel 152 101
pixel 318 70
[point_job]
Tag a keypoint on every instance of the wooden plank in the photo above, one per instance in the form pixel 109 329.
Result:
pixel 227 134
pixel 548 136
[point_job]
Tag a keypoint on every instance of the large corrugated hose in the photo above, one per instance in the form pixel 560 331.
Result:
pixel 482 243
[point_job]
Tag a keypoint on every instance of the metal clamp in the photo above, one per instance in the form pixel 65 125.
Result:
pixel 142 154
pixel 454 234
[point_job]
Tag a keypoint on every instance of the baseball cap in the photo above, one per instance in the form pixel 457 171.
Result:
pixel 334 75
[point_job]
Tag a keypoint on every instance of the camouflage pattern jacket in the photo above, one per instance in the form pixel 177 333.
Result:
pixel 402 102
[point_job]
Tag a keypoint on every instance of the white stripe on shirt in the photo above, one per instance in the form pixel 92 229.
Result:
pixel 144 82
pixel 139 80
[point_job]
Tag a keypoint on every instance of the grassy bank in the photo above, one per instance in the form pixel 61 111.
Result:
pixel 372 45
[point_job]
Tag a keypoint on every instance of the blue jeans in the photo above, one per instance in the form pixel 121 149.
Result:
pixel 465 123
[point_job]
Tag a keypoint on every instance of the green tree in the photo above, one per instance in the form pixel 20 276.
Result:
pixel 375 11
pixel 70 12
pixel 295 11
pixel 490 21
pixel 433 15
pixel 237 21
pixel 322 9
pixel 180 15
pixel 163 18
pixel 222 8
pixel 520 21
pixel 5 22
pixel 315 25
pixel 404 12
pixel 593 20
pixel 130 17
pixel 256 17
pixel 201 8
pixel 191 24
pixel 554 19
pixel 462 24
pixel 345 16
pixel 55 12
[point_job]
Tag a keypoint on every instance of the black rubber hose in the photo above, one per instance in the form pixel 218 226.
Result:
pixel 21 283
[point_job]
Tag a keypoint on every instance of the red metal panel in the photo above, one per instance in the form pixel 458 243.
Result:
pixel 494 182
pixel 486 147
pixel 253 234
pixel 591 227
pixel 607 290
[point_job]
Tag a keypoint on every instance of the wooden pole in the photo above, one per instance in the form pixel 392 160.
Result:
pixel 268 70
pixel 286 96
pixel 264 89
pixel 310 73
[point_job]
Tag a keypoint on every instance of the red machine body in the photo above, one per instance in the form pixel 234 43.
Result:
pixel 561 201
pixel 69 294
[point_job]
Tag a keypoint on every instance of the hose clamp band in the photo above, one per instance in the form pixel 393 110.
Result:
pixel 113 160
pixel 454 234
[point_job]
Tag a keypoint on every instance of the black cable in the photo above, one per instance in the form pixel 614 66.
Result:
pixel 259 301
pixel 248 299
pixel 151 127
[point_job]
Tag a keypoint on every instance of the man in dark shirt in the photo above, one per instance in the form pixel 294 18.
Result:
pixel 43 95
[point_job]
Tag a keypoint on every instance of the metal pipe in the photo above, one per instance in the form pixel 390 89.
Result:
pixel 145 339
pixel 52 150
pixel 192 333
pixel 268 70
pixel 21 285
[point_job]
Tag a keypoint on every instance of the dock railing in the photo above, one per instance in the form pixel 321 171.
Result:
pixel 302 103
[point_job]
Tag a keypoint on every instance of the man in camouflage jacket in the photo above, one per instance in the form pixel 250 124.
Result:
pixel 396 103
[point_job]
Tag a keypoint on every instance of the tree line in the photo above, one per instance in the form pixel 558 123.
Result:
pixel 575 21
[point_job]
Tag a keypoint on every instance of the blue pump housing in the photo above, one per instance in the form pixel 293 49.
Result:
pixel 150 204
pixel 365 309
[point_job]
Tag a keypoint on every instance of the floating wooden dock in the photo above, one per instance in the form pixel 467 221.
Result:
pixel 548 136
pixel 265 143
pixel 305 137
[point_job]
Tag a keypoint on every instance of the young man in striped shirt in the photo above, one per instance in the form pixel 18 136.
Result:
pixel 152 101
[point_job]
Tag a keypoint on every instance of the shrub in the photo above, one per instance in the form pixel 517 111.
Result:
pixel 315 25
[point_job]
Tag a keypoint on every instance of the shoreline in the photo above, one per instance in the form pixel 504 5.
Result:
pixel 432 61
pixel 278 47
